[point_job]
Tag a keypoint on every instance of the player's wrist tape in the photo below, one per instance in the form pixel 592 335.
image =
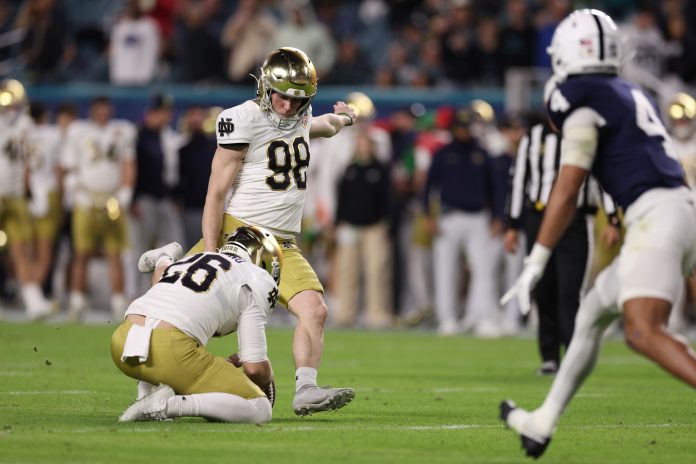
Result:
pixel 539 255
pixel 350 118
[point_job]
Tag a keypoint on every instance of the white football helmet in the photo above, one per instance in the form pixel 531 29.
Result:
pixel 585 42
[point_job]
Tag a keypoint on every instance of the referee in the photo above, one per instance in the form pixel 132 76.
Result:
pixel 564 281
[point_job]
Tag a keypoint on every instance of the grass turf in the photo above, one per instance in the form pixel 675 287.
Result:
pixel 419 398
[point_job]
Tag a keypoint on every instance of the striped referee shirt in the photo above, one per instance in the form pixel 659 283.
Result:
pixel 535 171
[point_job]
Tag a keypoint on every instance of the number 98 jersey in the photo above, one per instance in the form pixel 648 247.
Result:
pixel 269 190
pixel 634 152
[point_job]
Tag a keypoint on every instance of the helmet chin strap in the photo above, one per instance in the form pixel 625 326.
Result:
pixel 236 250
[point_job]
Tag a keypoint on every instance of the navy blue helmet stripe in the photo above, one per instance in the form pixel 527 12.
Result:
pixel 601 37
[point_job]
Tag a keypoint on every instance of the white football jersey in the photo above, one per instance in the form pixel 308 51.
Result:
pixel 95 154
pixel 13 159
pixel 202 295
pixel 43 144
pixel 269 190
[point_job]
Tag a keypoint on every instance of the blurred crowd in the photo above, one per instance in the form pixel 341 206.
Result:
pixel 415 43
pixel 401 212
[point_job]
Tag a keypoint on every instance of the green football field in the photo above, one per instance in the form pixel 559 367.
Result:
pixel 419 399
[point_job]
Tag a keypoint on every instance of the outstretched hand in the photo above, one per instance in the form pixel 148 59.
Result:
pixel 534 265
pixel 342 108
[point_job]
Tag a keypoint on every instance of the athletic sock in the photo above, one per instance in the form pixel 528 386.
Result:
pixel 305 376
pixel 223 407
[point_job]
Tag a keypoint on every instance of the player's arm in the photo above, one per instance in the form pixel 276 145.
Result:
pixel 226 164
pixel 251 337
pixel 330 124
pixel 578 151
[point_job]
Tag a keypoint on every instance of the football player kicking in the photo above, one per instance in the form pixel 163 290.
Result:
pixel 259 177
pixel 612 128
pixel 211 294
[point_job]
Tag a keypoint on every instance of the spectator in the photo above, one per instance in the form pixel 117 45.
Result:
pixel 302 30
pixel 246 38
pixel 198 54
pixel 351 67
pixel 135 45
pixel 46 49
pixel 460 52
pixel 362 239
pixel 517 36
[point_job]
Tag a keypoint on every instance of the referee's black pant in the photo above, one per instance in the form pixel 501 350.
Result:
pixel 557 294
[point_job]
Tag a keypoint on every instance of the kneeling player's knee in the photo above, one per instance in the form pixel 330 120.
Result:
pixel 264 410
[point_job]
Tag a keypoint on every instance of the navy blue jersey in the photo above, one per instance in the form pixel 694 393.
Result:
pixel 634 151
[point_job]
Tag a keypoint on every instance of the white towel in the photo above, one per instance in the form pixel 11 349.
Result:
pixel 138 341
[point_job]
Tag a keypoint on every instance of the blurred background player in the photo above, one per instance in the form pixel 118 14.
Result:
pixel 43 145
pixel 612 128
pixel 258 177
pixel 162 341
pixel 154 219
pixel 558 293
pixel 195 157
pixel 471 205
pixel 363 250
pixel 15 218
pixel 99 152
pixel 681 123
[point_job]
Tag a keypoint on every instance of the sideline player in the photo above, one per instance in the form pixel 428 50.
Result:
pixel 162 341
pixel 259 178
pixel 612 128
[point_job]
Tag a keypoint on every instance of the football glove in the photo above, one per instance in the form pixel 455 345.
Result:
pixel 534 265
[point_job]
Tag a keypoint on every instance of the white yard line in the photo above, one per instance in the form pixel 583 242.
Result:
pixel 323 427
pixel 47 392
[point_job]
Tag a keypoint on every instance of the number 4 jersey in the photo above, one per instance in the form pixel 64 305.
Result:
pixel 204 295
pixel 269 190
pixel 634 152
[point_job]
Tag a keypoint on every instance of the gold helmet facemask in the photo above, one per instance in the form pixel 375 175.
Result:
pixel 290 72
pixel 257 245
pixel 681 113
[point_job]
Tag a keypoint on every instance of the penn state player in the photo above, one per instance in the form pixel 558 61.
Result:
pixel 259 177
pixel 611 128
pixel 162 341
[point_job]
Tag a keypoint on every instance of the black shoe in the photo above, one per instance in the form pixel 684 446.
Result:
pixel 547 368
pixel 532 447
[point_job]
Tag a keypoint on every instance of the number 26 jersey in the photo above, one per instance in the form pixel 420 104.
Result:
pixel 269 190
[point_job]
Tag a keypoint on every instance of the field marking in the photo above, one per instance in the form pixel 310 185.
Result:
pixel 430 390
pixel 48 392
pixel 16 374
pixel 320 428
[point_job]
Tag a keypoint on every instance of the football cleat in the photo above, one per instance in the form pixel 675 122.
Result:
pixel 148 260
pixel 515 418
pixel 150 407
pixel 311 399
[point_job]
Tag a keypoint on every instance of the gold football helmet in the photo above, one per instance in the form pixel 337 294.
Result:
pixel 362 105
pixel 258 246
pixel 12 93
pixel 290 72
pixel 681 113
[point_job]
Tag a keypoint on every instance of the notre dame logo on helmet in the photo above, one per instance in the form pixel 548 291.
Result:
pixel 225 126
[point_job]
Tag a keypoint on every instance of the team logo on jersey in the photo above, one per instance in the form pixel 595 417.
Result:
pixel 304 122
pixel 225 126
